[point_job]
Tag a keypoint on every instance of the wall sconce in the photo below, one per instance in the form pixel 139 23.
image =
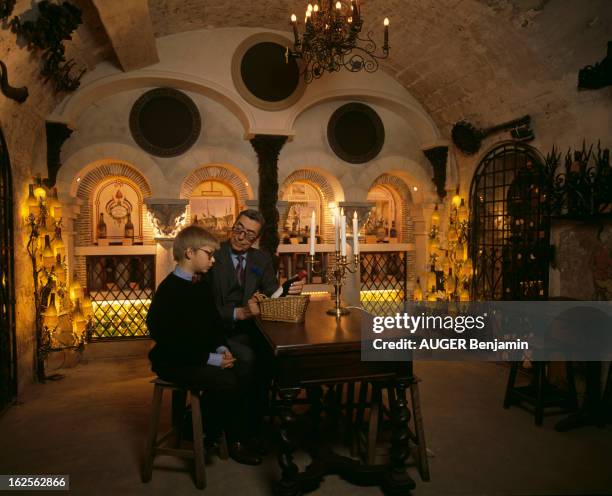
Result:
pixel 167 216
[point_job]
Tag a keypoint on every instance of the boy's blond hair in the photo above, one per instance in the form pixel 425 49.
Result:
pixel 193 237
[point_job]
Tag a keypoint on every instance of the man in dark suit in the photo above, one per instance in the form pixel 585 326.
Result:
pixel 239 272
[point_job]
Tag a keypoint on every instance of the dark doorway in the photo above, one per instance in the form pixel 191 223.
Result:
pixel 8 364
pixel 510 225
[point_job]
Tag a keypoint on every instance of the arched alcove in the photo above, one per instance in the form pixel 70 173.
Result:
pixel 405 223
pixel 325 189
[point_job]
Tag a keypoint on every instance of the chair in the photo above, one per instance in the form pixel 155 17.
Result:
pixel 154 443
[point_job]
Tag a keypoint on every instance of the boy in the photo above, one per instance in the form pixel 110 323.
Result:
pixel 190 348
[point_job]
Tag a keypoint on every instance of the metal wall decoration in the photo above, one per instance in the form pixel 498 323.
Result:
pixel 599 75
pixel 355 133
pixel 510 228
pixel 6 8
pixel 8 351
pixel 54 24
pixel 165 122
pixel 20 95
pixel 468 138
pixel 384 281
pixel 582 184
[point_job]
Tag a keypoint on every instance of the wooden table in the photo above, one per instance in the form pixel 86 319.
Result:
pixel 324 350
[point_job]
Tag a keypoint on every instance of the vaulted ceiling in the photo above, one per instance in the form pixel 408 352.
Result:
pixel 484 60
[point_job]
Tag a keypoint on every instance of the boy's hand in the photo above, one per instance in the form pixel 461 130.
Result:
pixel 227 363
pixel 228 355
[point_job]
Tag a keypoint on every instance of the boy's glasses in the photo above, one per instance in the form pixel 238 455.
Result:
pixel 240 231
pixel 210 253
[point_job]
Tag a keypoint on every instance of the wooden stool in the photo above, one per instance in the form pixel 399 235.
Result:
pixel 154 444
pixel 376 406
pixel 540 394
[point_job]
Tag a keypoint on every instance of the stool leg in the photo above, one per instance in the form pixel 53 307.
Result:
pixel 510 386
pixel 147 468
pixel 359 414
pixel 540 379
pixel 572 403
pixel 198 440
pixel 419 430
pixel 223 451
pixel 373 423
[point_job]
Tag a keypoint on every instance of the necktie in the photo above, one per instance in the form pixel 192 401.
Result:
pixel 240 270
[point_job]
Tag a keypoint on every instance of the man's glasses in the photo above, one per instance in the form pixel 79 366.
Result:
pixel 240 231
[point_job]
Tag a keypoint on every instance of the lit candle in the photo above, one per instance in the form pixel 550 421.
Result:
pixel 355 234
pixel 336 228
pixel 343 236
pixel 386 43
pixel 312 233
pixel 295 31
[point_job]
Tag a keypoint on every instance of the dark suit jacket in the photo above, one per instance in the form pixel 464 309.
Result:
pixel 259 276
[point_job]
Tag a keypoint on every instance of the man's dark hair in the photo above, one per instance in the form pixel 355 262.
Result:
pixel 253 215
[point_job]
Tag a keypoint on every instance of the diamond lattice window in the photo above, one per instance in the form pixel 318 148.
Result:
pixel 121 288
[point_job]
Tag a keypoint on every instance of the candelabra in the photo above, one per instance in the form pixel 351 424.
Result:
pixel 62 314
pixel 337 276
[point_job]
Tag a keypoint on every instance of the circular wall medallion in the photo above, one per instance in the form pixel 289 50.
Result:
pixel 355 133
pixel 263 76
pixel 165 122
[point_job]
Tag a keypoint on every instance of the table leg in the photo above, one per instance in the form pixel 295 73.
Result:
pixel 288 485
pixel 399 479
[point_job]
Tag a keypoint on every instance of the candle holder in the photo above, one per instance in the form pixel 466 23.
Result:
pixel 337 276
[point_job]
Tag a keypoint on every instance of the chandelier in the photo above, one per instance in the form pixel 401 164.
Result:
pixel 331 40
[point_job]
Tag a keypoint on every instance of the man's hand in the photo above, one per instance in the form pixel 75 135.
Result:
pixel 253 307
pixel 296 288
pixel 243 313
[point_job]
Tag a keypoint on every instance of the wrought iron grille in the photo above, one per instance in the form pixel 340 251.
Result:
pixel 121 288
pixel 510 225
pixel 384 278
pixel 8 364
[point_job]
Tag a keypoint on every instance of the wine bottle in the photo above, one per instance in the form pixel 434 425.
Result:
pixel 101 231
pixel 287 284
pixel 128 232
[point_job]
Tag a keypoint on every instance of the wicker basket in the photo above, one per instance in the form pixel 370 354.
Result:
pixel 286 309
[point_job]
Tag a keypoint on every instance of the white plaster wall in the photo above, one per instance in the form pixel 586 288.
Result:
pixel 99 112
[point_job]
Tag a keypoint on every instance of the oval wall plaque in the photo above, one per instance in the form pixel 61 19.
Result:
pixel 355 133
pixel 165 122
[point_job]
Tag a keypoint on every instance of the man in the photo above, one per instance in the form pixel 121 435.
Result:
pixel 239 272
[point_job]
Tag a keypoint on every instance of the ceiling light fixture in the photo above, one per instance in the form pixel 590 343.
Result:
pixel 331 40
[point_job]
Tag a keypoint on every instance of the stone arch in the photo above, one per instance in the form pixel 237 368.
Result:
pixel 217 172
pixel 406 231
pixel 325 189
pixel 101 171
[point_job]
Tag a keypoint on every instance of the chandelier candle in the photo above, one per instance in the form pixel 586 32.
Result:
pixel 355 234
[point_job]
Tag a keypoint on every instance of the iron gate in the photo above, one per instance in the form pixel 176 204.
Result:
pixel 510 225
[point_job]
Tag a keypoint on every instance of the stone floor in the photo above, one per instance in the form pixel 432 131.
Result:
pixel 92 425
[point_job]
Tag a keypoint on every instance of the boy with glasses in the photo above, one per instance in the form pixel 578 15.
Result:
pixel 190 347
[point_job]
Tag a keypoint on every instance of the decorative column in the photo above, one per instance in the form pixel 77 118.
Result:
pixel 267 148
pixel 168 217
pixel 438 156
